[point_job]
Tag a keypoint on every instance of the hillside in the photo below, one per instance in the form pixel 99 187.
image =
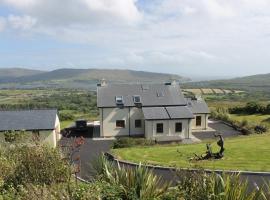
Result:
pixel 260 82
pixel 8 73
pixel 81 78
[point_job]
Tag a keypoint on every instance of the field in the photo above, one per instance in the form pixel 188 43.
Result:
pixel 241 153
pixel 205 91
pixel 255 118
pixel 72 104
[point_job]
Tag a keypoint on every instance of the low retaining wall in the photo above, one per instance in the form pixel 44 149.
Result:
pixel 168 173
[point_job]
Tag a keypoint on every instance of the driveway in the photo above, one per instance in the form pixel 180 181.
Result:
pixel 88 153
pixel 216 127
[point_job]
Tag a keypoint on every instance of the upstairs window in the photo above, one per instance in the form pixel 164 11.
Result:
pixel 178 127
pixel 119 100
pixel 120 123
pixel 136 99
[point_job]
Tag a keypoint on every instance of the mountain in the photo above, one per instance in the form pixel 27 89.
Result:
pixel 260 82
pixel 6 73
pixel 80 78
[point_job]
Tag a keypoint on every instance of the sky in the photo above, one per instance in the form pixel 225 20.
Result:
pixel 195 38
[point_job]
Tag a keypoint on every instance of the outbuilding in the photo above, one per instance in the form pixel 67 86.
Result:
pixel 43 125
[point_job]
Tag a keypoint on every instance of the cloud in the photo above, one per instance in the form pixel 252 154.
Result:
pixel 70 12
pixel 166 34
pixel 21 22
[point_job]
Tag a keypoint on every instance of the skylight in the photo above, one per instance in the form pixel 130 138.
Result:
pixel 119 100
pixel 137 99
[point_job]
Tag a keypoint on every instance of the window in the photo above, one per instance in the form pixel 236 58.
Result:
pixel 137 99
pixel 198 120
pixel 178 127
pixel 120 123
pixel 138 123
pixel 159 127
pixel 119 100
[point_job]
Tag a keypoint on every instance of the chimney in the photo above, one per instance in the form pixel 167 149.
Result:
pixel 103 82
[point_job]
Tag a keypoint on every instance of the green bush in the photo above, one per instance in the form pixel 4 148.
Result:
pixel 64 116
pixel 35 165
pixel 124 142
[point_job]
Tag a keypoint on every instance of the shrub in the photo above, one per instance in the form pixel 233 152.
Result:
pixel 198 185
pixel 64 116
pixel 124 142
pixel 131 183
pixel 259 129
pixel 36 165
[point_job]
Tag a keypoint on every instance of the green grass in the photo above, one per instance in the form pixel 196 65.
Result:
pixel 255 118
pixel 241 153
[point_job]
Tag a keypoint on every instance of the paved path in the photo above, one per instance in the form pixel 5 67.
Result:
pixel 217 127
pixel 89 152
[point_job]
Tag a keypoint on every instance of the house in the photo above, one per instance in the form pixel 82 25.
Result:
pixel 43 125
pixel 155 111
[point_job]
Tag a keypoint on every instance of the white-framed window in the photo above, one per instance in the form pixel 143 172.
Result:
pixel 137 99
pixel 119 100
pixel 138 123
pixel 178 127
pixel 159 128
pixel 198 120
pixel 120 124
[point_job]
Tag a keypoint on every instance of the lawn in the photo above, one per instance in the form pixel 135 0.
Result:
pixel 256 118
pixel 241 153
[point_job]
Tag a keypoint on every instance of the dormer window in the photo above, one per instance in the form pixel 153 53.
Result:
pixel 119 100
pixel 137 99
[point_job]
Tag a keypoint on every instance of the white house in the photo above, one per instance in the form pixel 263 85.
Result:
pixel 155 111
pixel 43 125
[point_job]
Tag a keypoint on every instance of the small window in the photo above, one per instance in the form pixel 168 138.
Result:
pixel 198 120
pixel 159 127
pixel 120 123
pixel 178 127
pixel 138 123
pixel 137 99
pixel 119 100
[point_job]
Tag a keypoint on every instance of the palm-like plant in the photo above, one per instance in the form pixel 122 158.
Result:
pixel 136 183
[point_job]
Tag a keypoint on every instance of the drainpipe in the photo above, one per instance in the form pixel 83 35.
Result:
pixel 129 121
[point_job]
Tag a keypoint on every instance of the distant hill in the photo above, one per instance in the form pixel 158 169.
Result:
pixel 260 82
pixel 6 73
pixel 79 78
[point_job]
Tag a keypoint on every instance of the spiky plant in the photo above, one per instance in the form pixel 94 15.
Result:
pixel 136 183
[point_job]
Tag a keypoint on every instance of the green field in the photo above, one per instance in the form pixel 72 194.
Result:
pixel 72 104
pixel 241 153
pixel 255 118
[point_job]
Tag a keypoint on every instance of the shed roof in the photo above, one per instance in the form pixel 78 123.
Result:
pixel 27 120
pixel 198 106
pixel 151 95
pixel 173 112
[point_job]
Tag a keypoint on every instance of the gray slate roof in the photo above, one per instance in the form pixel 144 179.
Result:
pixel 172 95
pixel 198 106
pixel 27 120
pixel 173 112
